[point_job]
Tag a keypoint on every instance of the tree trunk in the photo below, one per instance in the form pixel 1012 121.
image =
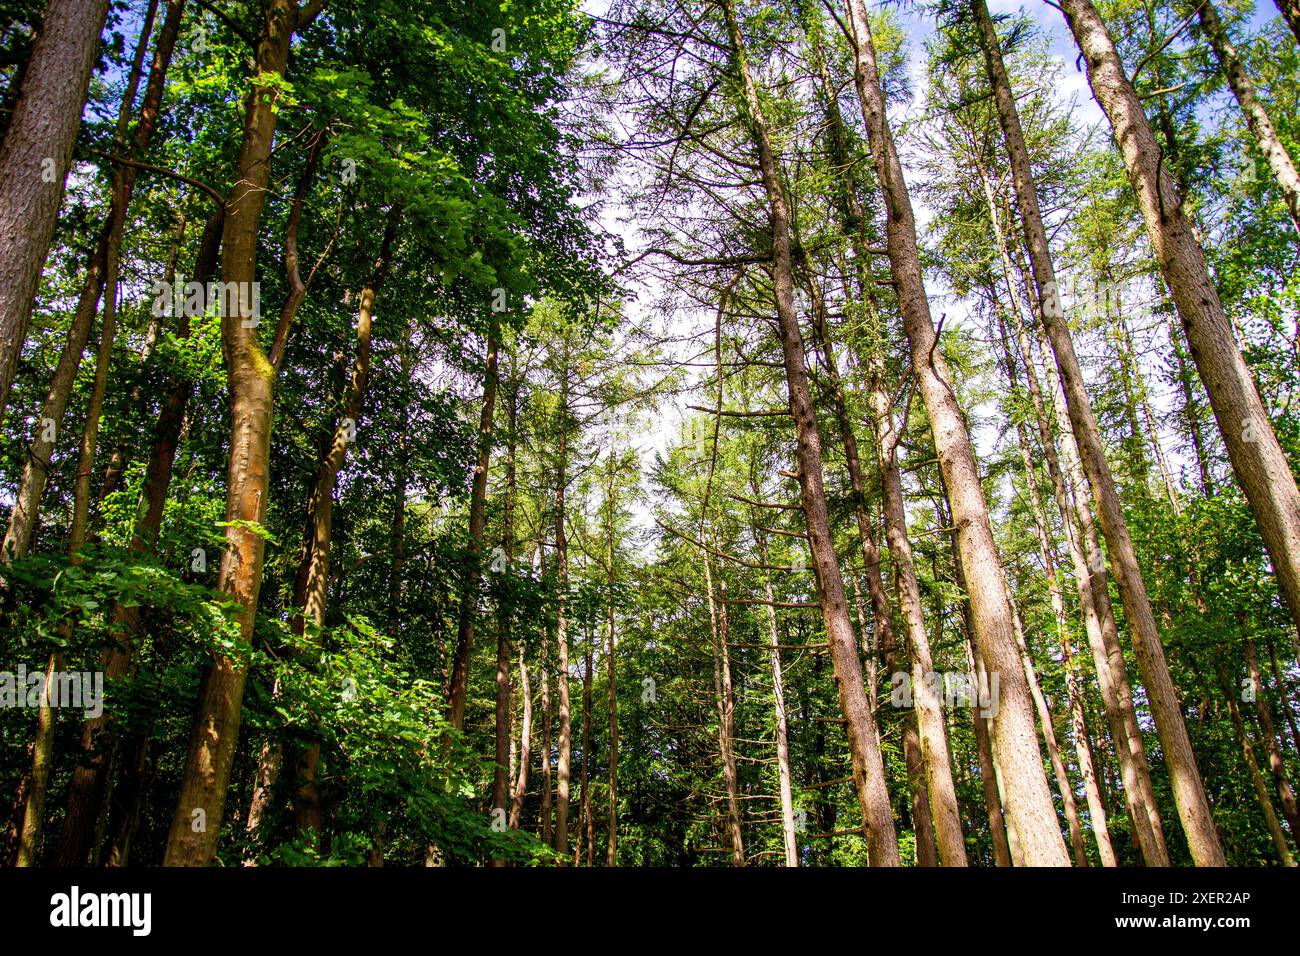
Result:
pixel 1257 458
pixel 525 745
pixel 1291 11
pixel 726 705
pixel 320 521
pixel 864 744
pixel 501 771
pixel 943 815
pixel 34 162
pixel 564 744
pixel 195 826
pixel 789 840
pixel 1257 118
pixel 611 685
pixel 88 788
pixel 27 502
pixel 1252 764
pixel 1188 790
pixel 1047 552
pixel 469 596
pixel 1031 814
pixel 1271 747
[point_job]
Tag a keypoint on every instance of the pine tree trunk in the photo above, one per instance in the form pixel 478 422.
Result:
pixel 1271 747
pixel 34 162
pixel 942 810
pixel 1252 764
pixel 525 745
pixel 786 793
pixel 725 702
pixel 564 744
pixel 1257 118
pixel 864 744
pixel 1189 792
pixel 469 596
pixel 1029 807
pixel 505 653
pixel 611 685
pixel 1257 458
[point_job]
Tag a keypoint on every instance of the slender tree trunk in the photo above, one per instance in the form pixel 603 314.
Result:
pixel 307 802
pixel 195 826
pixel 469 597
pixel 789 839
pixel 1031 813
pixel 1252 764
pixel 36 468
pixel 1274 752
pixel 564 744
pixel 34 162
pixel 1257 118
pixel 584 797
pixel 89 787
pixel 543 668
pixel 611 682
pixel 501 771
pixel 1188 790
pixel 725 703
pixel 525 745
pixel 1047 551
pixel 943 813
pixel 864 745
pixel 1257 458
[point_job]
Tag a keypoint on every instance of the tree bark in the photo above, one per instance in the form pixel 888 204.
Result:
pixel 469 594
pixel 1257 458
pixel 34 162
pixel 1286 795
pixel 864 744
pixel 1257 118
pixel 788 837
pixel 1188 790
pixel 195 826
pixel 1031 814
pixel 27 502
pixel 89 785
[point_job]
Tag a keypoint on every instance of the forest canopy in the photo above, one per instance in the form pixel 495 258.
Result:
pixel 649 433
